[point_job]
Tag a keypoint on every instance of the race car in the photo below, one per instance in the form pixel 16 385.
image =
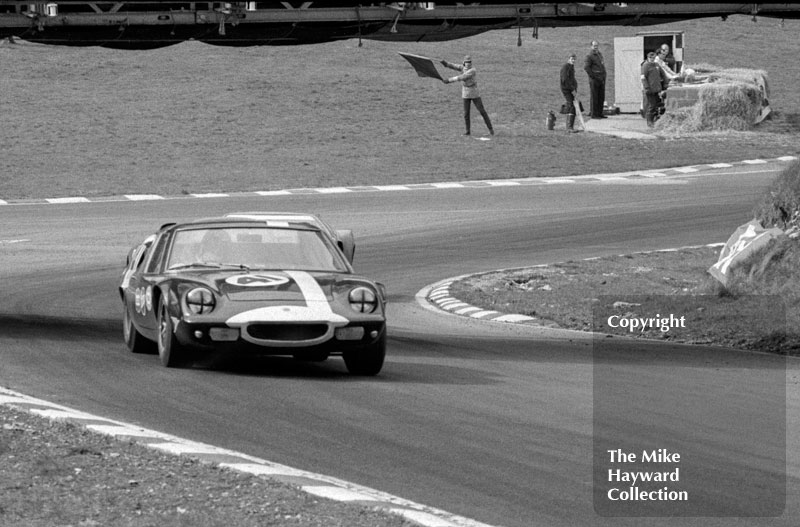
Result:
pixel 254 283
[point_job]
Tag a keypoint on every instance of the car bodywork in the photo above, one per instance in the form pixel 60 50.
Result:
pixel 252 282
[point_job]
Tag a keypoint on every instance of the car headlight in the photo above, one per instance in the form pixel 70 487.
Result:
pixel 200 301
pixel 363 300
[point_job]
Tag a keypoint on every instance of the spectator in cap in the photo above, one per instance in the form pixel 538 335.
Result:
pixel 469 90
pixel 569 88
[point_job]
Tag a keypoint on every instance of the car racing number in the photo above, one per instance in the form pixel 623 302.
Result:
pixel 257 280
pixel 143 299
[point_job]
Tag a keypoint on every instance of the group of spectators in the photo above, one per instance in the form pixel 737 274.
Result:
pixel 656 73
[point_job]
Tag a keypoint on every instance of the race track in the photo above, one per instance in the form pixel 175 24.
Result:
pixel 485 420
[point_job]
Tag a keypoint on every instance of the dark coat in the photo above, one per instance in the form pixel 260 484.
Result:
pixel 595 66
pixel 652 78
pixel 568 81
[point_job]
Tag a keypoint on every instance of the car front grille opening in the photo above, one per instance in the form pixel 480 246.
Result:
pixel 287 332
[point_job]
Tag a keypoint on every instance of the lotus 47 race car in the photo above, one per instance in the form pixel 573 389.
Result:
pixel 272 284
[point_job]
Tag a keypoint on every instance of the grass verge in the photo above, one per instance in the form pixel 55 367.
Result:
pixel 59 474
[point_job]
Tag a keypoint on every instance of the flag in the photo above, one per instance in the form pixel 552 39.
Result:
pixel 423 65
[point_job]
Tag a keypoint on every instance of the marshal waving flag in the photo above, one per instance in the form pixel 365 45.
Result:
pixel 423 65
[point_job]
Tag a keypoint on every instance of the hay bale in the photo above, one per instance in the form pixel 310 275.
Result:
pixel 728 105
pixel 721 100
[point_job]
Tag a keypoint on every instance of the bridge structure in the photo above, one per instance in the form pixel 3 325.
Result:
pixel 143 25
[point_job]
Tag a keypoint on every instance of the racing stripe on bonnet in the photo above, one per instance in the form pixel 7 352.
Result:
pixel 311 290
pixel 317 307
pixel 315 297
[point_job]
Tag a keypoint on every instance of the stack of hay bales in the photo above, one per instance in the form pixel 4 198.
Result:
pixel 705 98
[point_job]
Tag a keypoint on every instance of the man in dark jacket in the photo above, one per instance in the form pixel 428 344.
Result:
pixel 653 86
pixel 596 69
pixel 569 88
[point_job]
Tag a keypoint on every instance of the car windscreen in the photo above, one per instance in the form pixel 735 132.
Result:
pixel 254 248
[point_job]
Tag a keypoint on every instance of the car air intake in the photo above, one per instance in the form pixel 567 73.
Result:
pixel 287 332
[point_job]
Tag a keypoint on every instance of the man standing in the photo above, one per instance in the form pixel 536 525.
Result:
pixel 596 69
pixel 653 85
pixel 569 88
pixel 469 90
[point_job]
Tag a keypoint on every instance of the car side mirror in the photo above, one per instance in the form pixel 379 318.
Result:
pixel 347 243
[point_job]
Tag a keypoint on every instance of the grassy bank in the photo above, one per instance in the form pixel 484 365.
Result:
pixel 197 118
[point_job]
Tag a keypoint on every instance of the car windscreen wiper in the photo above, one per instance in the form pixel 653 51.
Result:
pixel 210 265
pixel 237 265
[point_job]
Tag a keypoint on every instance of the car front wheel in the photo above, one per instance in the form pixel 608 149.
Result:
pixel 170 351
pixel 366 361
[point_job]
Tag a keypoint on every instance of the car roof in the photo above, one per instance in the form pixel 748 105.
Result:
pixel 241 222
pixel 287 217
pixel 277 216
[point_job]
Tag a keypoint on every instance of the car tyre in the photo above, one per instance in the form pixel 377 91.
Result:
pixel 170 351
pixel 368 360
